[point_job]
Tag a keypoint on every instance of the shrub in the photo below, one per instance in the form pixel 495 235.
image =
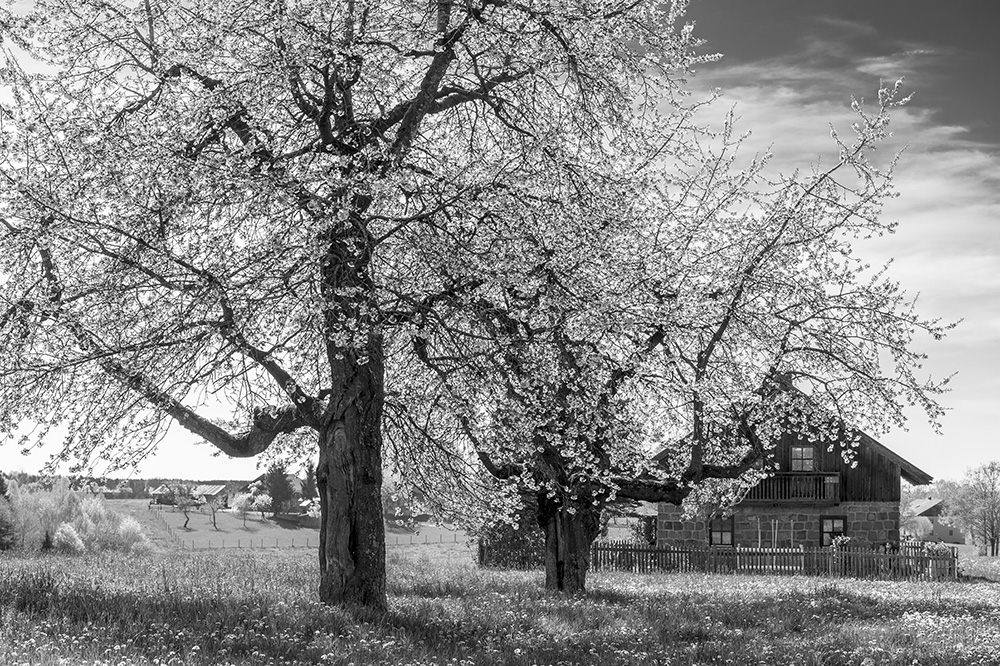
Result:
pixel 937 548
pixel 8 525
pixel 131 538
pixel 67 540
pixel 643 530
pixel 520 545
pixel 37 515
pixel 97 526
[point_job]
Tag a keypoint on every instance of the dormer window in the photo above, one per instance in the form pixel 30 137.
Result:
pixel 803 458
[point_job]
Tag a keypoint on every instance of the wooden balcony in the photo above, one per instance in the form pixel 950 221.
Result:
pixel 796 488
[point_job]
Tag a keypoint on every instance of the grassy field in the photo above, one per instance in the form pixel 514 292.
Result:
pixel 242 607
pixel 165 527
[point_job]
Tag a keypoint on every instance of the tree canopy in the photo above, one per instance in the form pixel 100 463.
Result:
pixel 974 505
pixel 251 205
pixel 490 231
pixel 278 487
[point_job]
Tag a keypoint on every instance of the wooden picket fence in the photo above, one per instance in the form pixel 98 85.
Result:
pixel 906 564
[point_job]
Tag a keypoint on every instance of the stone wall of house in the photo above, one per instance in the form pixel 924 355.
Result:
pixel 673 530
pixel 871 522
pixel 784 526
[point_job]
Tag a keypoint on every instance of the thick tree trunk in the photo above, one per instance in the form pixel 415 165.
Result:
pixel 568 538
pixel 349 482
pixel 349 474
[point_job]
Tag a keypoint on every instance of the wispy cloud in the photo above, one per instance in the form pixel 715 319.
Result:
pixel 846 26
pixel 900 64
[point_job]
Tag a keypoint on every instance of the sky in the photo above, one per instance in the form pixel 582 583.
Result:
pixel 789 69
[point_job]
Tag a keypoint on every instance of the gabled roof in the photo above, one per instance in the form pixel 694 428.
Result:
pixel 207 491
pixel 922 506
pixel 910 472
pixel 161 490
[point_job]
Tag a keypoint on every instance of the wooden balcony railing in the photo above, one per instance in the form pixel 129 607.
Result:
pixel 796 488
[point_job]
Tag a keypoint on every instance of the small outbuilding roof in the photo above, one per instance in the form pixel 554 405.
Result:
pixel 161 490
pixel 208 491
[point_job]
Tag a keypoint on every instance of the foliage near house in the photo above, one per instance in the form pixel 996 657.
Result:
pixel 278 488
pixel 974 505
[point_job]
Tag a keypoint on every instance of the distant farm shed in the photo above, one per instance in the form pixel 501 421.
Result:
pixel 211 493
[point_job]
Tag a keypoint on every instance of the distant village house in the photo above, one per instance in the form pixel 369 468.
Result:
pixel 925 523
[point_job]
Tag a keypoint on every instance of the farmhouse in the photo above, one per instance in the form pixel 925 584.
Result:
pixel 813 497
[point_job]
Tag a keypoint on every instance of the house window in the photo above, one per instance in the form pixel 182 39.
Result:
pixel 720 531
pixel 831 527
pixel 803 458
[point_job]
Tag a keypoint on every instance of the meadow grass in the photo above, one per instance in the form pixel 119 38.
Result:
pixel 259 608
